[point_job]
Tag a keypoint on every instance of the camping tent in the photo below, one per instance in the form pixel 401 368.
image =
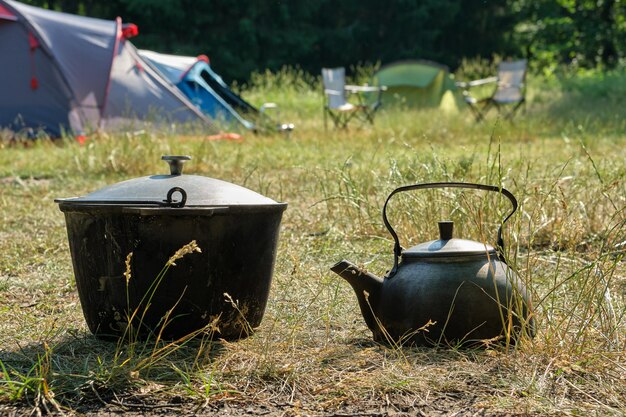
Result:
pixel 67 73
pixel 416 83
pixel 206 89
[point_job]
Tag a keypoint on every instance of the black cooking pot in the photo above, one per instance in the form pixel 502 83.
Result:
pixel 226 284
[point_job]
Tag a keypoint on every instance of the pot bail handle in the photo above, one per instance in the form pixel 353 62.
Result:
pixel 176 163
pixel 397 249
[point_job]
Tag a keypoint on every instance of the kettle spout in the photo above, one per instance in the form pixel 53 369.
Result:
pixel 367 287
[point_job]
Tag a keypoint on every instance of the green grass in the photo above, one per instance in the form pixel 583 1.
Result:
pixel 563 158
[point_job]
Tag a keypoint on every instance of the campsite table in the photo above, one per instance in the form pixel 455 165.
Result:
pixel 475 83
pixel 363 89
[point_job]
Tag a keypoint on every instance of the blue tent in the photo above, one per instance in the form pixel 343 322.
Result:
pixel 206 89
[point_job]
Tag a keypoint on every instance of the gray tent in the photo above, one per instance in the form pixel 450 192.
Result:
pixel 61 72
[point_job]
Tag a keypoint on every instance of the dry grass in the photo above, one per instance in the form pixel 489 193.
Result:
pixel 313 354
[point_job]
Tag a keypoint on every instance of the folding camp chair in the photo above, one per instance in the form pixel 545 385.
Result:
pixel 509 90
pixel 337 106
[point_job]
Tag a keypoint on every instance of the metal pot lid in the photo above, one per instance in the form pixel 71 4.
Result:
pixel 447 246
pixel 173 190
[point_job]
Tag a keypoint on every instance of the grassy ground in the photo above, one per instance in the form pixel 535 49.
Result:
pixel 563 158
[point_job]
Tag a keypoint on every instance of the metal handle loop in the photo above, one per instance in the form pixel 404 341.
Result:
pixel 176 204
pixel 397 249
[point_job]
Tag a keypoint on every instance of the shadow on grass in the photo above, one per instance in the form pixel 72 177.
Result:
pixel 81 373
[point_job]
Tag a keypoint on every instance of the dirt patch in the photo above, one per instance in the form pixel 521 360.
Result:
pixel 26 182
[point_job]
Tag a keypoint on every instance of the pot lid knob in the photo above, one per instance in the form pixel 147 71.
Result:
pixel 445 229
pixel 176 163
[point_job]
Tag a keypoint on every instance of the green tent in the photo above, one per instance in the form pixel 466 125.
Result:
pixel 418 84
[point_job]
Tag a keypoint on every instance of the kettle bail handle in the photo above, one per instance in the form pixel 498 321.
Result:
pixel 397 248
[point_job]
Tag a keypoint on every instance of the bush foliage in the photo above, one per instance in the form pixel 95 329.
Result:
pixel 244 36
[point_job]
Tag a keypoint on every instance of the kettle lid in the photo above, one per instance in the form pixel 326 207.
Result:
pixel 447 246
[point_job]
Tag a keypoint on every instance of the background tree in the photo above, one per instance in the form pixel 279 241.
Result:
pixel 242 36
pixel 588 33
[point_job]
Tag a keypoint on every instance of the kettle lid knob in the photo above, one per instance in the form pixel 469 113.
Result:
pixel 445 229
